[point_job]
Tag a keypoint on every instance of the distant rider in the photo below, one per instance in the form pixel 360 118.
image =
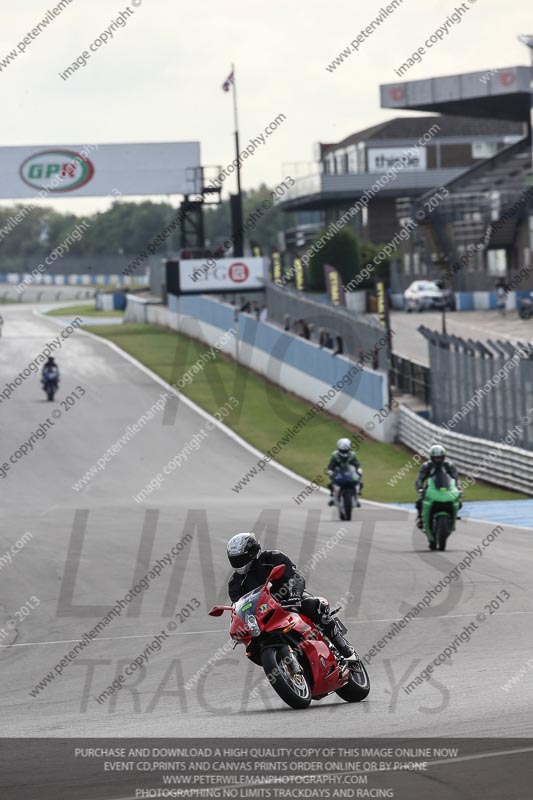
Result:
pixel 341 458
pixel 437 460
pixel 252 568
pixel 50 371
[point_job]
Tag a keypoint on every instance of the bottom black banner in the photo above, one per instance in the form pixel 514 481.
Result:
pixel 406 769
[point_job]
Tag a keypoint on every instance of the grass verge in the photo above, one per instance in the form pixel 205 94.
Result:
pixel 265 411
pixel 82 311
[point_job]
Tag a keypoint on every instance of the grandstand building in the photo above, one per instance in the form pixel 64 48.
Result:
pixel 480 153
pixel 480 230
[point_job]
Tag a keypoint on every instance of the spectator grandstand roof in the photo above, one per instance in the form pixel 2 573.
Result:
pixel 502 93
pixel 415 127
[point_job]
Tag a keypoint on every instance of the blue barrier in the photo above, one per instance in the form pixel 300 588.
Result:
pixel 66 280
pixel 206 310
pixel 366 387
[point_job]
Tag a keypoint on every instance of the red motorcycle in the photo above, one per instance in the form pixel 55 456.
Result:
pixel 298 660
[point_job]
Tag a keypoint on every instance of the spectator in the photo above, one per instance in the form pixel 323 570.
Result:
pixel 263 314
pixel 304 329
pixel 255 309
pixel 325 340
pixel 286 323
pixel 501 296
pixel 245 306
pixel 338 347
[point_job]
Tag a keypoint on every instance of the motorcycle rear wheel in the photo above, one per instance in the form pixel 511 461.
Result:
pixel 294 690
pixel 358 686
pixel 50 394
pixel 441 530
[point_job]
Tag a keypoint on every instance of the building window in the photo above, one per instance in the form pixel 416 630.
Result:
pixel 353 160
pixel 496 262
pixel 330 164
pixel 484 149
pixel 341 162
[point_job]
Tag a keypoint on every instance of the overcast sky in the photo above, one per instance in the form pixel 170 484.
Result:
pixel 159 78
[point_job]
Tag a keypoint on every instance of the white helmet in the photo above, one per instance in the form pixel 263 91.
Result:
pixel 344 448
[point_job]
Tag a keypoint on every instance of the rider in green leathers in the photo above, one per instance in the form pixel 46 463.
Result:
pixel 437 458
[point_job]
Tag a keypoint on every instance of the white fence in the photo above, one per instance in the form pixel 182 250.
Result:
pixel 498 463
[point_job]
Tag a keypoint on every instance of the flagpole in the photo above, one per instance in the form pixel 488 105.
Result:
pixel 236 118
pixel 238 230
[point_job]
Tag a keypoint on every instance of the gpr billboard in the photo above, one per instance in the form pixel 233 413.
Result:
pixel 195 276
pixel 100 170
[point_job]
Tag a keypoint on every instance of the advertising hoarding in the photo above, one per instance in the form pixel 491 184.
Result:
pixel 93 170
pixel 380 159
pixel 197 276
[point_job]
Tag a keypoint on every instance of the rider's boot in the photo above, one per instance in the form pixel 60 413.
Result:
pixel 329 625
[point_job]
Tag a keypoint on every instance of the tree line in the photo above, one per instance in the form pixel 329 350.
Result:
pixel 126 227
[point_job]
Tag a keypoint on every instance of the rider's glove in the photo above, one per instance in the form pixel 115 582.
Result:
pixel 293 600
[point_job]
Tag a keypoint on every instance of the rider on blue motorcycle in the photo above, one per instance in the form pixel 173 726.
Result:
pixel 342 458
pixel 50 371
pixel 437 460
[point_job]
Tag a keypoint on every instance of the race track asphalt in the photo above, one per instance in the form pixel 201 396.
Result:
pixel 88 547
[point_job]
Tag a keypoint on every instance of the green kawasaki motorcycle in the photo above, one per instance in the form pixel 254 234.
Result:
pixel 440 507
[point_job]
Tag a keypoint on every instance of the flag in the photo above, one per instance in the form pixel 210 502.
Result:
pixel 334 286
pixel 230 80
pixel 299 275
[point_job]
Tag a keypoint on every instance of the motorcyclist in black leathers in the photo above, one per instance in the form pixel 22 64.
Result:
pixel 252 568
pixel 50 371
pixel 437 459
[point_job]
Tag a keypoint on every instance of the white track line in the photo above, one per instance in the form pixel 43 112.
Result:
pixel 111 638
pixel 232 435
pixel 199 633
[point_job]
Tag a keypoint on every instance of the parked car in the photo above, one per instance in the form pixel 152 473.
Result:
pixel 422 295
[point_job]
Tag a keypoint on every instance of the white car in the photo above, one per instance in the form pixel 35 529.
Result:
pixel 421 295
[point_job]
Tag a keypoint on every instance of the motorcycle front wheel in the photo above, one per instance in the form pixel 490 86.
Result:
pixel 358 685
pixel 347 502
pixel 293 687
pixel 441 530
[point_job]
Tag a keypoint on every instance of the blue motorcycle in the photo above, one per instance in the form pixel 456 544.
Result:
pixel 346 489
pixel 50 381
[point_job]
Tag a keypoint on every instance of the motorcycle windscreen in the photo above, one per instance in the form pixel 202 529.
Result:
pixel 442 479
pixel 346 476
pixel 248 604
